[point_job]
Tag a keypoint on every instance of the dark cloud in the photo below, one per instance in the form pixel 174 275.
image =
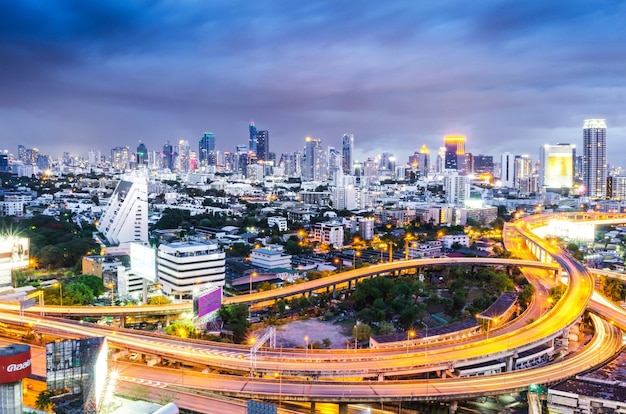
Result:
pixel 80 75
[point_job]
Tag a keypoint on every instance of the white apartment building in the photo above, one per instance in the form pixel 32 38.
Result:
pixel 279 221
pixel 125 218
pixel 329 233
pixel 184 267
pixel 449 239
pixel 428 249
pixel 270 259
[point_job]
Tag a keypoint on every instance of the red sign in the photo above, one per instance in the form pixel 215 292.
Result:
pixel 15 363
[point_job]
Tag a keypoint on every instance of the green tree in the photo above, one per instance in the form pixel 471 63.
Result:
pixel 525 296
pixel 613 289
pixel 235 319
pixel 181 328
pixel 93 282
pixel 159 300
pixel 77 293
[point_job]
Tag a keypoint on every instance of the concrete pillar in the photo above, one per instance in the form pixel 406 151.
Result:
pixel 442 373
pixel 343 408
pixel 381 377
pixel 509 363
pixel 454 405
pixel 11 398
pixel 312 407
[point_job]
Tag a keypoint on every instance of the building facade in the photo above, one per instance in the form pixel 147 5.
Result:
pixel 594 158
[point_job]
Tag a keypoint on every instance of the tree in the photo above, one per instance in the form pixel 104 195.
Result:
pixel 77 293
pixel 526 295
pixel 235 318
pixel 181 328
pixel 613 289
pixel 159 300
pixel 93 282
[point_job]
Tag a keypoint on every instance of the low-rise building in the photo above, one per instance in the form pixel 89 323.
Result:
pixel 330 233
pixel 184 267
pixel 280 222
pixel 269 259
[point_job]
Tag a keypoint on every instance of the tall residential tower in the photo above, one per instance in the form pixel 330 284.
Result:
pixel 347 149
pixel 594 158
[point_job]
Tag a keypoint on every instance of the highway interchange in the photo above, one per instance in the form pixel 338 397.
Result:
pixel 347 376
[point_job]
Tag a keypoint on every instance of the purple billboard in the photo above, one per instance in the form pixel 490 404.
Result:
pixel 207 302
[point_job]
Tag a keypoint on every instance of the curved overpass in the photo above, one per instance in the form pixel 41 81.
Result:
pixel 565 312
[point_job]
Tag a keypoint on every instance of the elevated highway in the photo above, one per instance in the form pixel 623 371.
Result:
pixel 335 364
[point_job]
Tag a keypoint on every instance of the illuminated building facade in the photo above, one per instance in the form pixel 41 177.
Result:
pixel 206 149
pixel 455 152
pixel 594 158
pixel 557 166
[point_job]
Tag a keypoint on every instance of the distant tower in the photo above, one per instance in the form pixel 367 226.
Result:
pixel 168 156
pixel 120 158
pixel 253 138
pixel 455 152
pixel 263 145
pixel 423 161
pixel 206 149
pixel 314 161
pixel 142 154
pixel 347 149
pixel 594 158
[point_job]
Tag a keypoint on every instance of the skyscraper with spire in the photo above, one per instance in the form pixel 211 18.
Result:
pixel 595 168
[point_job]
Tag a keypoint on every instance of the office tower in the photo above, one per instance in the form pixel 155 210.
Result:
pixel 94 157
pixel 483 164
pixel 206 149
pixel 314 160
pixel 347 150
pixel 142 154
pixel 183 156
pixel 423 161
pixel 523 168
pixel 4 162
pixel 507 174
pixel 288 164
pixel 252 141
pixel 594 158
pixel 125 218
pixel 120 158
pixel 556 166
pixel 21 153
pixel 263 145
pixel 455 152
pixel 387 161
pixel 241 159
pixel 441 160
pixel 334 161
pixel 168 156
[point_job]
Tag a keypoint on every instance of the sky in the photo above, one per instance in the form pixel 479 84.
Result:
pixel 82 75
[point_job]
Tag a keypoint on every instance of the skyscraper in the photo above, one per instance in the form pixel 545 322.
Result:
pixel 594 158
pixel 263 145
pixel 347 148
pixel 455 152
pixel 142 154
pixel 206 149
pixel 253 138
pixel 314 161
pixel 423 161
pixel 168 156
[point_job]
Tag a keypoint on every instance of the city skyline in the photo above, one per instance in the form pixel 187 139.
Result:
pixel 510 78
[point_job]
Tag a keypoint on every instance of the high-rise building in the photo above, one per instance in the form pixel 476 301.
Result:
pixel 125 218
pixel 595 169
pixel 314 160
pixel 168 156
pixel 523 168
pixel 252 141
pixel 120 158
pixel 423 161
pixel 334 161
pixel 455 152
pixel 347 149
pixel 241 160
pixel 557 166
pixel 142 154
pixel 206 149
pixel 21 153
pixel 507 174
pixel 456 187
pixel 183 156
pixel 263 145
pixel 483 164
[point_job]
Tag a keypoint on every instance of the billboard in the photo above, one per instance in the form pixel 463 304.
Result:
pixel 77 366
pixel 143 261
pixel 15 363
pixel 207 301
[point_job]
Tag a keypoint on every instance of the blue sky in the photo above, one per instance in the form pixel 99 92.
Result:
pixel 511 76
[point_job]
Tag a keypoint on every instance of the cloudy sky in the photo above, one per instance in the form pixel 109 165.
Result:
pixel 510 75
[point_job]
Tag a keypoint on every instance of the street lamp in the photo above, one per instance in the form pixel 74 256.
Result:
pixel 111 286
pixel 280 388
pixel 408 237
pixel 253 274
pixel 426 356
pixel 410 334
pixel 306 352
pixel 356 331
pixel 338 262
pixel 60 292
pixel 355 254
